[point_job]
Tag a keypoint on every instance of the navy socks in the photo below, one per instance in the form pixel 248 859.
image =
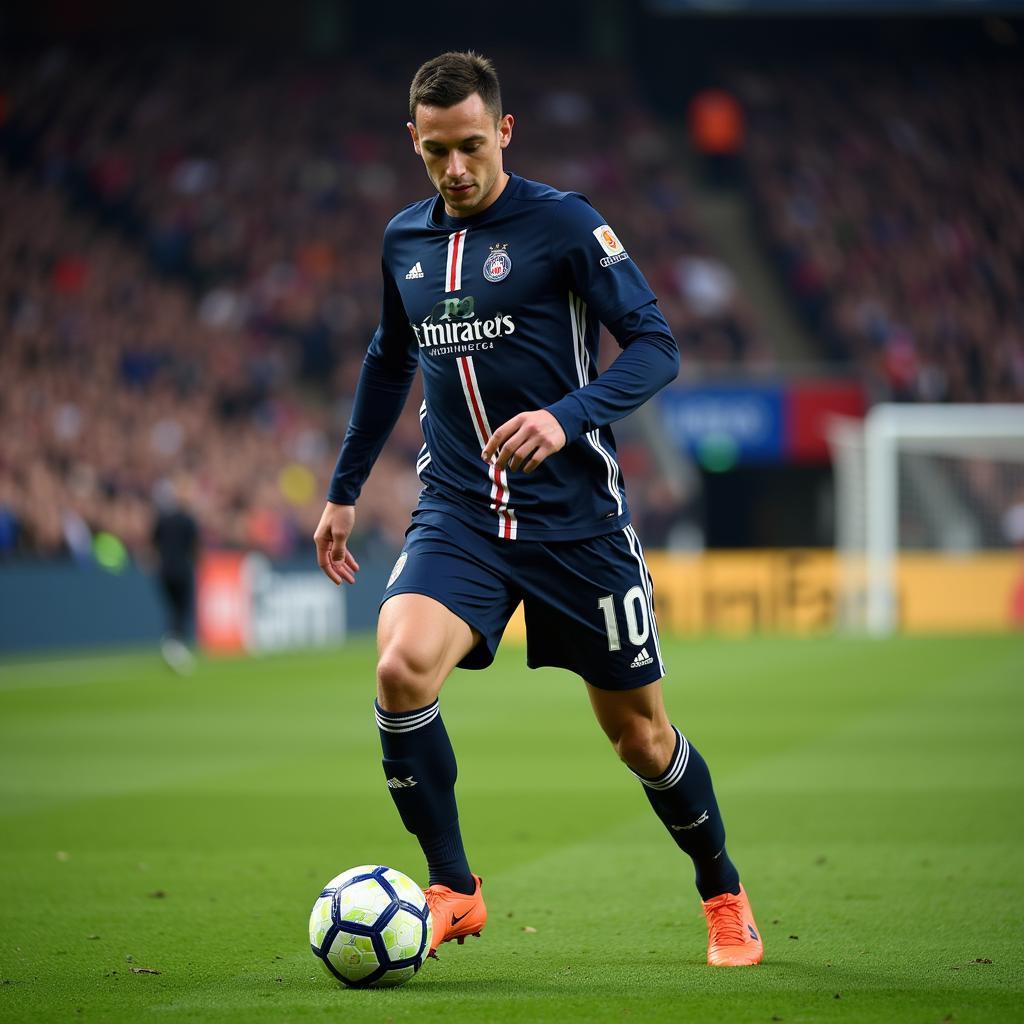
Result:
pixel 419 765
pixel 683 797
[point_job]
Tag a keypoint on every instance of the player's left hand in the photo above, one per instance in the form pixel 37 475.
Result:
pixel 524 441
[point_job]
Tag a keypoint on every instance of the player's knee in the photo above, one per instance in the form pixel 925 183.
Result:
pixel 640 744
pixel 404 681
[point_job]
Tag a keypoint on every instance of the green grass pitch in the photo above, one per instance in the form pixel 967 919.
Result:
pixel 872 791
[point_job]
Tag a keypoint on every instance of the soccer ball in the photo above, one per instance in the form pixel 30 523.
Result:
pixel 370 927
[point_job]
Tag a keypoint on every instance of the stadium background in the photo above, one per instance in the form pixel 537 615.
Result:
pixel 194 200
pixel 828 199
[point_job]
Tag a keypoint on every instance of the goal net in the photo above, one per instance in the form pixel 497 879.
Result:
pixel 925 494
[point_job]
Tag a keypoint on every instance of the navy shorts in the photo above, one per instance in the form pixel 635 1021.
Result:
pixel 589 604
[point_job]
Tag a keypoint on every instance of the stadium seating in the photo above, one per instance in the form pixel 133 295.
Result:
pixel 892 195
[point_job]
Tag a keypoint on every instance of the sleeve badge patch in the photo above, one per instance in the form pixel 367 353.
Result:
pixel 608 241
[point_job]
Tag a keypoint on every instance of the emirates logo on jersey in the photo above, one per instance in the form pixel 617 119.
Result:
pixel 498 264
pixel 453 328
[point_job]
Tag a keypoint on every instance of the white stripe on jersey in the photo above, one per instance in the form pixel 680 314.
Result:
pixel 578 319
pixel 576 340
pixel 453 264
pixel 647 586
pixel 478 424
pixel 508 528
pixel 423 455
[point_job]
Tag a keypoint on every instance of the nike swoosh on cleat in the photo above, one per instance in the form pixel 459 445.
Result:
pixel 456 920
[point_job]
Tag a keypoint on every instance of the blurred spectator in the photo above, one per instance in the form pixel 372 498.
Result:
pixel 176 541
pixel 716 126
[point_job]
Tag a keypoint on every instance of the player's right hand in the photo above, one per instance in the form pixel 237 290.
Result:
pixel 331 539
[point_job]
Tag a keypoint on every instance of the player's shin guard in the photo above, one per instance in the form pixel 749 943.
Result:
pixel 683 797
pixel 419 765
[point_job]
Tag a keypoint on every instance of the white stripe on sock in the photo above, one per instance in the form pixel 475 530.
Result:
pixel 675 771
pixel 389 722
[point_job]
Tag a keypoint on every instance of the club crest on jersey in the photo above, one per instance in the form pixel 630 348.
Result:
pixel 498 264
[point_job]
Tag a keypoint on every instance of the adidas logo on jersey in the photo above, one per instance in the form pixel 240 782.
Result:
pixel 643 658
pixel 415 273
pixel 405 783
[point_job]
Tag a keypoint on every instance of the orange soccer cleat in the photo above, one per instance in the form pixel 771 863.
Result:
pixel 733 938
pixel 454 914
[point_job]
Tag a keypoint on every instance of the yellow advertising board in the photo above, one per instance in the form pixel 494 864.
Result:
pixel 798 591
pixel 744 591
pixel 977 593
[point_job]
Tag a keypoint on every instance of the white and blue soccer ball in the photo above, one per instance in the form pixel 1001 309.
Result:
pixel 370 927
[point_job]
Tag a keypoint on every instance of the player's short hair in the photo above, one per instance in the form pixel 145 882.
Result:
pixel 452 77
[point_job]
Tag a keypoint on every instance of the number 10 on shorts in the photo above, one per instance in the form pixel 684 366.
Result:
pixel 638 623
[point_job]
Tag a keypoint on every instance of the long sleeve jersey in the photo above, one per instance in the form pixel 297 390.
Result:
pixel 502 310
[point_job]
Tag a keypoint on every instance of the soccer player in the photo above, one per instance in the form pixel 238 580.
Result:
pixel 497 287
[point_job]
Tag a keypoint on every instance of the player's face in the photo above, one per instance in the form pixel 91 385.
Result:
pixel 461 148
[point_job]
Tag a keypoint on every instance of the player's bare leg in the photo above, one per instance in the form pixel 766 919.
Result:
pixel 419 642
pixel 677 783
pixel 637 724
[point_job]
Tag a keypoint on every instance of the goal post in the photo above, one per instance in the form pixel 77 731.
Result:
pixel 943 473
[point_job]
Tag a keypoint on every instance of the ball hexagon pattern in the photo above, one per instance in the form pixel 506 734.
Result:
pixel 370 927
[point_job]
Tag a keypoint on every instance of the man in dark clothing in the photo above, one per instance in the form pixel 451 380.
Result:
pixel 176 540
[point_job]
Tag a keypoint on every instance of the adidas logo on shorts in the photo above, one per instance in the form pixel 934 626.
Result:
pixel 643 658
pixel 415 273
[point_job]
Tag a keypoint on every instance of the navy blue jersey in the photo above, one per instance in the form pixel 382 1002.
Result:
pixel 502 311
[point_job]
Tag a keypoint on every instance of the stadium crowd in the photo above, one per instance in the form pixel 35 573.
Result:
pixel 893 197
pixel 111 382
pixel 189 275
